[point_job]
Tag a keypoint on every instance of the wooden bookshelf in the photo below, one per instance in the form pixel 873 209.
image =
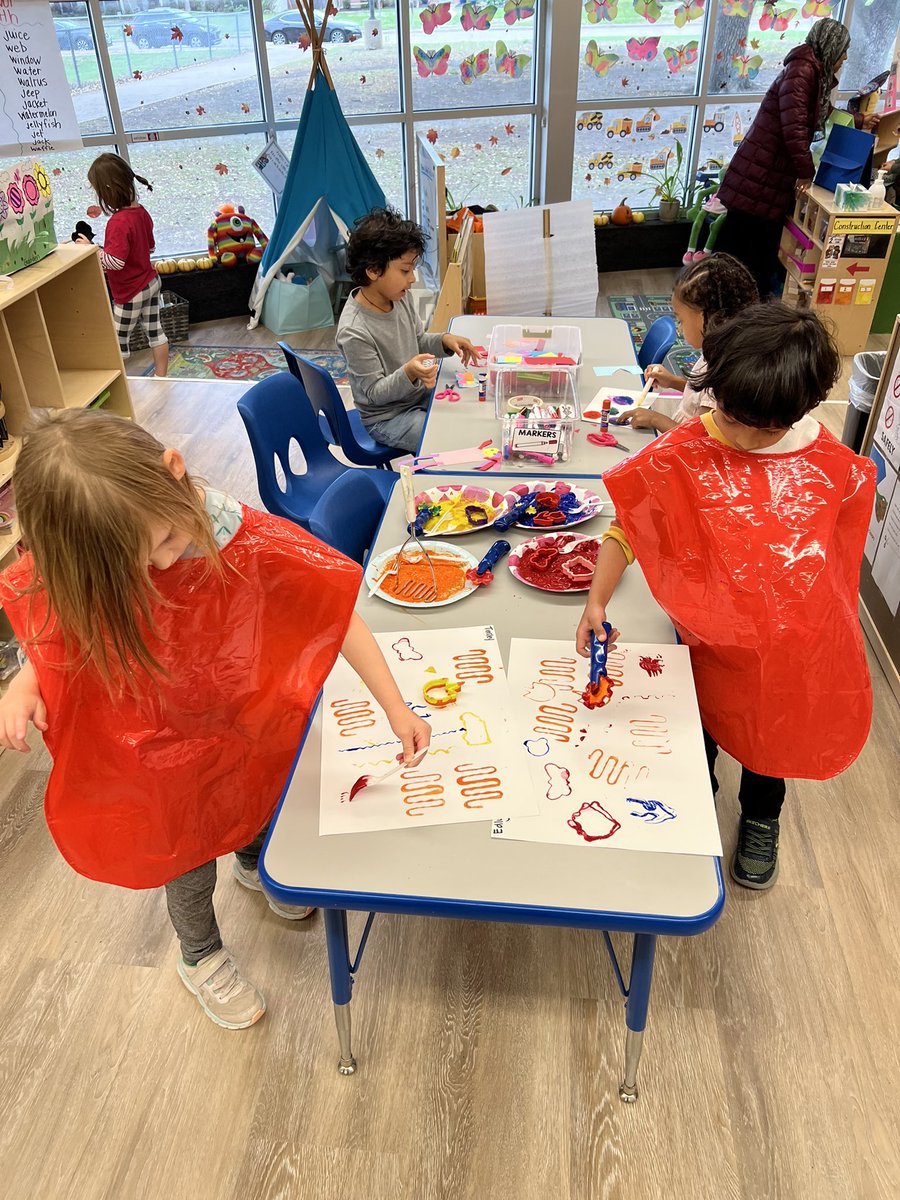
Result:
pixel 58 349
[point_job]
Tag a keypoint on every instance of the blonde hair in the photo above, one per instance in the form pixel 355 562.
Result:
pixel 88 487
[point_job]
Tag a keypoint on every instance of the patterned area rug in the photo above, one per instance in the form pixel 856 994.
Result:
pixel 244 362
pixel 640 312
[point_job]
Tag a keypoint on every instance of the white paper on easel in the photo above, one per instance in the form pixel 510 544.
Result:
pixel 474 771
pixel 631 775
pixel 521 273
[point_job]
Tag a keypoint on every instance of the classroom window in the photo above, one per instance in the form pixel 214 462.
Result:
pixel 472 55
pixel 191 177
pixel 874 26
pixel 73 197
pixel 487 159
pixel 622 152
pixel 645 47
pixel 752 40
pixel 366 77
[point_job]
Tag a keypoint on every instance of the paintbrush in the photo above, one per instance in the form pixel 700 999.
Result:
pixel 365 781
pixel 644 392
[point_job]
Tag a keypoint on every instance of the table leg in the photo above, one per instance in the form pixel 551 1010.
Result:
pixel 341 982
pixel 636 1011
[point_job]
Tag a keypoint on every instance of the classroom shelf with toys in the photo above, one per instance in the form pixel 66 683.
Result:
pixel 836 262
pixel 58 349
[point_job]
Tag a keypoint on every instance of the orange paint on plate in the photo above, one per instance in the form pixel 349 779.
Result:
pixel 449 574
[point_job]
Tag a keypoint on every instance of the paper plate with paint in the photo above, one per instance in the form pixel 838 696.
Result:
pixel 555 496
pixel 464 508
pixel 556 562
pixel 409 583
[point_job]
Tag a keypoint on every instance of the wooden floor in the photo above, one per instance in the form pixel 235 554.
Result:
pixel 488 1055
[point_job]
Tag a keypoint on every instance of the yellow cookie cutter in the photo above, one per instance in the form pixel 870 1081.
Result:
pixel 449 689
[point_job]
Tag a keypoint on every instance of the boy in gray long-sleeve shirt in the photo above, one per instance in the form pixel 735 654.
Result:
pixel 391 360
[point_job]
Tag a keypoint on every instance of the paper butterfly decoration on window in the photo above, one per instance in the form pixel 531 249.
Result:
pixel 690 11
pixel 645 49
pixel 474 65
pixel 678 57
pixel 817 8
pixel 747 66
pixel 433 15
pixel 737 8
pixel 475 17
pixel 650 10
pixel 431 62
pixel 771 18
pixel 510 64
pixel 601 10
pixel 596 61
pixel 515 10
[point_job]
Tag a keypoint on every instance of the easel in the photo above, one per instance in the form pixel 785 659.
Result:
pixel 457 281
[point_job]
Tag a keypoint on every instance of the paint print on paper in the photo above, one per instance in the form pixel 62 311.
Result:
pixel 631 775
pixel 476 769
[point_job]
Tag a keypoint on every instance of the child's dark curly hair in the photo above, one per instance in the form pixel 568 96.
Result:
pixel 769 365
pixel 377 238
pixel 718 286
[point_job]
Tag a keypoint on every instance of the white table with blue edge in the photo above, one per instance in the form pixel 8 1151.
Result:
pixel 458 870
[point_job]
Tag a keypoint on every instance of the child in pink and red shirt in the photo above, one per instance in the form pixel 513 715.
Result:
pixel 125 256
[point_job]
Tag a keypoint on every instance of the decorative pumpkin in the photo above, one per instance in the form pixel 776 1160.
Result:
pixel 622 214
pixel 233 236
pixel 166 266
pixel 601 219
pixel 186 264
pixel 638 218
pixel 205 264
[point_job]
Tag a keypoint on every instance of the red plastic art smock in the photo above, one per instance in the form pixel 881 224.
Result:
pixel 755 557
pixel 145 789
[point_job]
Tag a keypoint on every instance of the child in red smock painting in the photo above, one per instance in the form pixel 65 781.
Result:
pixel 176 644
pixel 749 524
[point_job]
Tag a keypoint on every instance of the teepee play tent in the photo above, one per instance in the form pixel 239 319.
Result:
pixel 329 186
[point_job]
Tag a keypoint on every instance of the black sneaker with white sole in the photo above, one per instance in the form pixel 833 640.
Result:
pixel 755 862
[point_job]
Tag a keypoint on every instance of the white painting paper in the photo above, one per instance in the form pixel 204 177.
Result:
pixel 631 775
pixel 475 770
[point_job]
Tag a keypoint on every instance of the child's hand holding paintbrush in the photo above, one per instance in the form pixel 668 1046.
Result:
pixel 640 417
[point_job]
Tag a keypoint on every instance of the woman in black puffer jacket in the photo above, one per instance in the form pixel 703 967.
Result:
pixel 774 158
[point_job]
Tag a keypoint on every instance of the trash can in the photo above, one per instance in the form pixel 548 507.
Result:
pixel 867 368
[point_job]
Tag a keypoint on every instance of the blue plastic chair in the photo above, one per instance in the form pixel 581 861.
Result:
pixel 348 513
pixel 277 411
pixel 347 428
pixel 659 341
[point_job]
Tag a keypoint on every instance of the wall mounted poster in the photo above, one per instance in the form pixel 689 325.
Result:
pixel 475 770
pixel 36 110
pixel 630 775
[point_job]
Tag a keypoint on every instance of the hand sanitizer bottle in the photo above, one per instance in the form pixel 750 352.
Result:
pixel 877 190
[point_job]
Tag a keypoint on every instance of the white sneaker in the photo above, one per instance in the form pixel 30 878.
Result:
pixel 250 879
pixel 223 993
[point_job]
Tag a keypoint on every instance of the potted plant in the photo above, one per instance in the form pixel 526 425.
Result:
pixel 669 187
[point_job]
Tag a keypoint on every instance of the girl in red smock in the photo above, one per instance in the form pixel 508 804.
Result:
pixel 176 644
pixel 749 524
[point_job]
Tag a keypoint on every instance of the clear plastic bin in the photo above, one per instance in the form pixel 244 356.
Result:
pixel 528 351
pixel 536 425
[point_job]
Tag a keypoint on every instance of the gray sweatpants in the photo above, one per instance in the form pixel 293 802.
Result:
pixel 189 899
